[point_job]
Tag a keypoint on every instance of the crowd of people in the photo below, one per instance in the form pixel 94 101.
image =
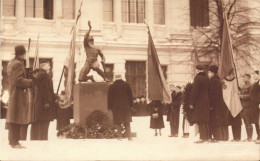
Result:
pixel 209 109
pixel 208 105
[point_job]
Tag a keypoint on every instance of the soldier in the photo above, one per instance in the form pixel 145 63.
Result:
pixel 92 53
pixel 247 110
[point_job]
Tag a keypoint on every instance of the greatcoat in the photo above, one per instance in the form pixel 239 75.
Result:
pixel 18 111
pixel 120 101
pixel 200 99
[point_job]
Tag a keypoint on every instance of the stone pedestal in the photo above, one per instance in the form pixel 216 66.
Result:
pixel 89 97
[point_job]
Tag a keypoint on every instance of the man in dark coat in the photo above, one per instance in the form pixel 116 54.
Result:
pixel 175 112
pixel 255 101
pixel 247 110
pixel 218 115
pixel 200 103
pixel 173 94
pixel 120 101
pixel 44 103
pixel 18 113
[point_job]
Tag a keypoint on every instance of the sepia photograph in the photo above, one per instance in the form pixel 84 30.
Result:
pixel 130 80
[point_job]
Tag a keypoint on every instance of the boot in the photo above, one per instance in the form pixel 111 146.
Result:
pixel 249 132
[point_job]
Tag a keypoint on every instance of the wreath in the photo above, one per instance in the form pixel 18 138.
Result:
pixel 187 101
pixel 97 126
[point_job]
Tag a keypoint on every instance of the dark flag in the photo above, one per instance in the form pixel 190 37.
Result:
pixel 227 69
pixel 157 87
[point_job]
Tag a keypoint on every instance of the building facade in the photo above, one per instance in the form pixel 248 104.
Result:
pixel 118 29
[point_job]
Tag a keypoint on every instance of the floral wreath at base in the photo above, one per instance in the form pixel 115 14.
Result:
pixel 187 102
pixel 97 126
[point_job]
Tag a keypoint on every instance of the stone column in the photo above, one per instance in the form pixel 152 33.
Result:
pixel 149 14
pixel 57 9
pixel 2 23
pixel 20 14
pixel 118 16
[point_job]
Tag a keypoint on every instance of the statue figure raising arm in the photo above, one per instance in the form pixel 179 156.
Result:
pixel 92 53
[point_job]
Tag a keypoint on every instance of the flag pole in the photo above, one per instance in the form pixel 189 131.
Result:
pixel 73 28
pixel 60 80
pixel 36 57
pixel 146 64
pixel 27 55
pixel 235 69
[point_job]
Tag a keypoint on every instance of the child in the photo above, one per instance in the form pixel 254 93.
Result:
pixel 156 121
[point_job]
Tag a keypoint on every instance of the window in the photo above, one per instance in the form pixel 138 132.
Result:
pixel 133 11
pixel 9 7
pixel 109 68
pixel 136 76
pixel 199 13
pixel 159 12
pixel 39 8
pixel 68 9
pixel 108 10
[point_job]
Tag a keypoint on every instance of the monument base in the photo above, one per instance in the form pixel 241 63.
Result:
pixel 89 97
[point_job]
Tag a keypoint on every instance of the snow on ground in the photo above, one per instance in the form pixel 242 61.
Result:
pixel 144 147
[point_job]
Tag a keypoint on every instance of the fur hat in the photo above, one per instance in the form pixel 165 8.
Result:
pixel 213 69
pixel 19 50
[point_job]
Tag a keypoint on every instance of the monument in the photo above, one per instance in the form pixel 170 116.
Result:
pixel 90 96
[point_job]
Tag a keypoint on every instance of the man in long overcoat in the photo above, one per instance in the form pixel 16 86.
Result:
pixel 18 109
pixel 255 101
pixel 200 103
pixel 218 115
pixel 174 115
pixel 120 102
pixel 246 104
pixel 44 103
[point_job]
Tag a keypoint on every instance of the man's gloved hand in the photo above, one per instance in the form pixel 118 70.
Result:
pixel 46 106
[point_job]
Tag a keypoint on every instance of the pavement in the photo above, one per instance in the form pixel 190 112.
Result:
pixel 145 146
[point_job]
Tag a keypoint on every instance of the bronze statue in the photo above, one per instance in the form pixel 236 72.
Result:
pixel 92 53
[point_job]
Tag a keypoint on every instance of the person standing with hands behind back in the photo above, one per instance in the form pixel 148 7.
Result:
pixel 120 102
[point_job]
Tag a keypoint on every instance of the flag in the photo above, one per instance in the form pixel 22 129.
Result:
pixel 227 66
pixel 36 64
pixel 157 87
pixel 69 64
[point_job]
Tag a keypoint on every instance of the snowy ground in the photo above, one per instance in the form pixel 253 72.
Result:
pixel 144 147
